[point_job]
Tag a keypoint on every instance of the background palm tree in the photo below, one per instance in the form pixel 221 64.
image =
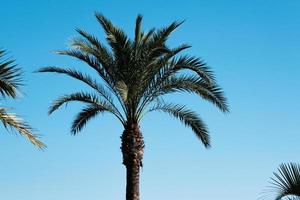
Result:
pixel 10 80
pixel 287 182
pixel 132 77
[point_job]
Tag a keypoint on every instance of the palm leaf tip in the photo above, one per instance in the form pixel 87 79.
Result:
pixel 12 121
pixel 83 117
pixel 214 94
pixel 104 22
pixel 188 117
pixel 138 25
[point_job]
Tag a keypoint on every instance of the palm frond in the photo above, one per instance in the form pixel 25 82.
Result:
pixel 209 92
pixel 105 23
pixel 10 120
pixel 94 58
pixel 138 24
pixel 84 116
pixel 92 52
pixel 86 98
pixel 196 65
pixel 92 39
pixel 161 36
pixel 116 37
pixel 192 84
pixel 287 181
pixel 10 76
pixel 188 117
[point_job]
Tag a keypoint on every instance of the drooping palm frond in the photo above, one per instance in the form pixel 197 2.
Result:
pixel 188 117
pixel 10 120
pixel 132 74
pixel 196 65
pixel 85 115
pixel 210 92
pixel 287 181
pixel 10 76
pixel 87 98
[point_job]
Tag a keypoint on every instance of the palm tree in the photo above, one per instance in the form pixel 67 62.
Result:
pixel 287 182
pixel 133 75
pixel 10 80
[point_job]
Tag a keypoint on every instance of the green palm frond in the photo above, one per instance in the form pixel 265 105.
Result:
pixel 160 37
pixel 287 181
pixel 209 92
pixel 116 37
pixel 138 33
pixel 98 58
pixel 85 98
pixel 92 40
pixel 196 65
pixel 188 83
pixel 85 115
pixel 188 117
pixel 106 24
pixel 10 120
pixel 10 76
pixel 90 60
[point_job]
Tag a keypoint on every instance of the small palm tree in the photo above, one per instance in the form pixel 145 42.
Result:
pixel 287 182
pixel 10 80
pixel 132 78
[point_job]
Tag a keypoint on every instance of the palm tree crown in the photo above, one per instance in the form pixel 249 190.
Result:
pixel 135 74
pixel 10 80
pixel 287 182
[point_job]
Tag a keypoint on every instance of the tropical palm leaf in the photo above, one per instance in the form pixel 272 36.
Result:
pixel 188 117
pixel 287 181
pixel 10 120
pixel 85 115
pixel 196 65
pixel 192 84
pixel 87 98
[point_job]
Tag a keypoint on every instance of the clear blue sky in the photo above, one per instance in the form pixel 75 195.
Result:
pixel 254 48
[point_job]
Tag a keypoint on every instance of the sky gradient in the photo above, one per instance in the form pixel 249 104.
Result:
pixel 253 47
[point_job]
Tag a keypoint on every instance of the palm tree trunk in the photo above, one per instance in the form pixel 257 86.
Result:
pixel 132 150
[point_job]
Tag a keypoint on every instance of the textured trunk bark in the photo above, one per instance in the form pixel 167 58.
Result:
pixel 132 150
pixel 132 182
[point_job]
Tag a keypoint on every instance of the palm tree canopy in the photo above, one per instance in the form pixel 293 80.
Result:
pixel 10 80
pixel 135 74
pixel 287 181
